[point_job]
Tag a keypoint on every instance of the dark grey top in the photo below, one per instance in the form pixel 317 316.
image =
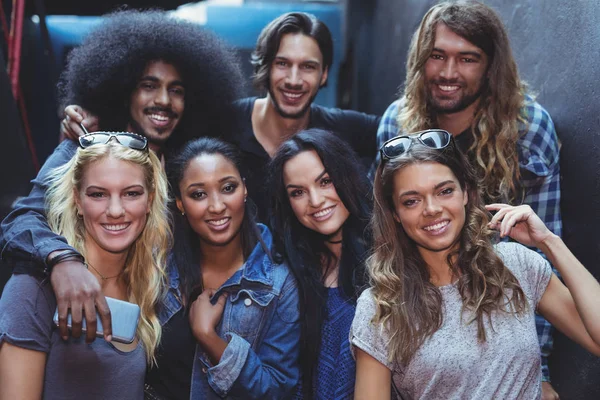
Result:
pixel 74 369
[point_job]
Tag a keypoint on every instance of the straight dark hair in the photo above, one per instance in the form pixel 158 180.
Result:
pixel 269 40
pixel 306 250
pixel 186 249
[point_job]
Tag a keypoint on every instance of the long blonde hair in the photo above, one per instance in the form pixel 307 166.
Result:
pixel 408 305
pixel 144 272
pixel 495 127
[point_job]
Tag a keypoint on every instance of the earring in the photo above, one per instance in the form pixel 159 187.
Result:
pixel 182 213
pixel 245 198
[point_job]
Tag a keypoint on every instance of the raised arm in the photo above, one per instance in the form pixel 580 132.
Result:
pixel 575 308
pixel 74 116
pixel 26 236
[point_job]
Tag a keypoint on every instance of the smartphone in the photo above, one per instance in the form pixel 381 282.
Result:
pixel 124 318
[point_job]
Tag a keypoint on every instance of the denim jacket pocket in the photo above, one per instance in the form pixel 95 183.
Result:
pixel 247 312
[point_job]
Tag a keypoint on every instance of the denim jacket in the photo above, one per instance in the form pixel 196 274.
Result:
pixel 261 324
pixel 25 238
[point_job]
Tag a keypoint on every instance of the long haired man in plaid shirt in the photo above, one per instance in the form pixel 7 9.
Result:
pixel 461 77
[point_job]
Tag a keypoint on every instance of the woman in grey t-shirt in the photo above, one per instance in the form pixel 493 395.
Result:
pixel 109 202
pixel 449 315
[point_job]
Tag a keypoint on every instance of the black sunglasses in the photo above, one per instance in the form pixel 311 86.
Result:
pixel 432 138
pixel 127 139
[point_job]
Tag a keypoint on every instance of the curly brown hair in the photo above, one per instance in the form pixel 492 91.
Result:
pixel 408 305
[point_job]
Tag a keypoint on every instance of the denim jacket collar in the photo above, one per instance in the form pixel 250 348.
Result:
pixel 261 271
pixel 256 274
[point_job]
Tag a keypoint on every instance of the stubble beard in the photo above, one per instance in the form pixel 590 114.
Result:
pixel 284 114
pixel 459 105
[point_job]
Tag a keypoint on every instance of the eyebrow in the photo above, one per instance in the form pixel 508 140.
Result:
pixel 439 185
pixel 202 184
pixel 462 53
pixel 290 186
pixel 309 61
pixel 152 78
pixel 94 187
pixel 321 175
pixel 227 178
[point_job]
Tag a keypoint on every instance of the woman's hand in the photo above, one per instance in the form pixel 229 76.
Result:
pixel 520 223
pixel 204 316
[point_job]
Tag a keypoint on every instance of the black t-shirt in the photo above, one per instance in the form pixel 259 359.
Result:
pixel 171 378
pixel 358 129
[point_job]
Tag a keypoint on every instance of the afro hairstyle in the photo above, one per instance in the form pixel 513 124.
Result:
pixel 101 74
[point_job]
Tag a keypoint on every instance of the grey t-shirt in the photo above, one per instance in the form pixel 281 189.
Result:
pixel 451 364
pixel 74 369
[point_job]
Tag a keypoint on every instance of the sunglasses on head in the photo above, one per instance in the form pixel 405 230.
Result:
pixel 127 139
pixel 432 138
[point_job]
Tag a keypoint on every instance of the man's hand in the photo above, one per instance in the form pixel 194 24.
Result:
pixel 548 392
pixel 75 115
pixel 78 289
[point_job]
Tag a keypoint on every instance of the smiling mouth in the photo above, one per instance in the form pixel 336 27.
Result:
pixel 292 96
pixel 218 223
pixel 115 227
pixel 437 227
pixel 159 119
pixel 448 88
pixel 323 213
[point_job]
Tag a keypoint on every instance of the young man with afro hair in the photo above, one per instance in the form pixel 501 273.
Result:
pixel 138 71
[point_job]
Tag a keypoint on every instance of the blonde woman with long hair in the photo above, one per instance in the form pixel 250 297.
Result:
pixel 110 203
pixel 450 315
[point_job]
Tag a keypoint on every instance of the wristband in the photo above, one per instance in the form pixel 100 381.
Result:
pixel 67 255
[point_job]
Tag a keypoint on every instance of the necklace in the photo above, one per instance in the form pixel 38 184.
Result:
pixel 104 278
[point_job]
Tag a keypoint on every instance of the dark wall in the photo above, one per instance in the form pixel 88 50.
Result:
pixel 556 44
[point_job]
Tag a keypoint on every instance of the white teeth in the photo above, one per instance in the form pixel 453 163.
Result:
pixel 218 222
pixel 116 227
pixel 159 117
pixel 436 226
pixel 292 95
pixel 323 212
pixel 448 88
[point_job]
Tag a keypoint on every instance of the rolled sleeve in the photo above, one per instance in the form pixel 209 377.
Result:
pixel 25 234
pixel 222 376
pixel 26 309
pixel 370 338
pixel 272 370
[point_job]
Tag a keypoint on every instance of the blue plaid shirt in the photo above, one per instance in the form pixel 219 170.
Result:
pixel 538 151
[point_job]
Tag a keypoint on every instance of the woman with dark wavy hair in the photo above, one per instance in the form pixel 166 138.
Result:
pixel 321 212
pixel 449 314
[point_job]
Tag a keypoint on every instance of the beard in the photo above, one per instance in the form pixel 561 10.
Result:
pixel 296 115
pixel 154 139
pixel 445 107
